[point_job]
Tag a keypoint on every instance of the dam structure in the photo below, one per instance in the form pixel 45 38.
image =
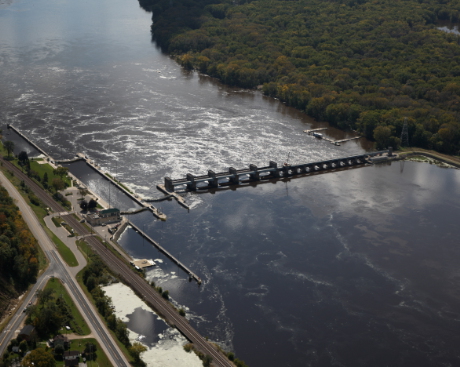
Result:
pixel 272 171
pixel 191 274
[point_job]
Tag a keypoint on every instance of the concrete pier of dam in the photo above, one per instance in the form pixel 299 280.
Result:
pixel 272 171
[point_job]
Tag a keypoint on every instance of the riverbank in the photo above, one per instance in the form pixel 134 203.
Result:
pixel 293 59
pixel 165 348
pixel 409 152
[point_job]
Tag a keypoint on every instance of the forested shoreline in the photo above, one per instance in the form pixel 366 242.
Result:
pixel 360 65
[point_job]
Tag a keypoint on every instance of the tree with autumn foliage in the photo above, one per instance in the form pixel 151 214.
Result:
pixel 39 358
pixel 358 64
pixel 18 248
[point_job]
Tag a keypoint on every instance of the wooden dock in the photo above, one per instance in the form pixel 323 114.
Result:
pixel 335 142
pixel 310 132
pixel 143 263
pixel 348 139
pixel 167 253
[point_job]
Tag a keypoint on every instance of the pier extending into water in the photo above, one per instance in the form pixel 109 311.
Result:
pixel 272 171
pixel 167 253
pixel 335 142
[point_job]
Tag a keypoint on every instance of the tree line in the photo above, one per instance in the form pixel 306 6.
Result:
pixel 18 249
pixel 358 64
pixel 96 274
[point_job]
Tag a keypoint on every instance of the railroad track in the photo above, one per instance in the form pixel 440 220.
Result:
pixel 65 276
pixel 138 284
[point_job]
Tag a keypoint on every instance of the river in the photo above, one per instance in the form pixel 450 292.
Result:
pixel 351 268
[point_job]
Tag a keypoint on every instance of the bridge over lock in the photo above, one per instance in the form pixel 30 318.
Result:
pixel 272 171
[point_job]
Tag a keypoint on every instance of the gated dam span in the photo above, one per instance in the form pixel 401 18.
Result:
pixel 272 171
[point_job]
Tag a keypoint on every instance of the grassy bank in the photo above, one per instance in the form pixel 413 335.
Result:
pixel 65 252
pixel 449 159
pixel 87 251
pixel 78 323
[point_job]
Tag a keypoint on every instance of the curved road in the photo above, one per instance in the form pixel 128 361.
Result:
pixel 139 285
pixel 60 270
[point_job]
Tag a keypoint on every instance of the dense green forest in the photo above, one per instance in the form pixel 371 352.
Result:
pixel 358 64
pixel 18 252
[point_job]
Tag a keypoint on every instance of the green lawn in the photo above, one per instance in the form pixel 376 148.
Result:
pixel 78 324
pixel 86 249
pixel 64 251
pixel 79 344
pixel 59 222
pixel 454 160
pixel 42 168
pixel 37 167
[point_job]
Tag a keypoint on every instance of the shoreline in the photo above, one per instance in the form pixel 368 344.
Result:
pixel 451 160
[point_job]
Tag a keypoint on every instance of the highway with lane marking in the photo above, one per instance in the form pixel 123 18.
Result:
pixel 138 284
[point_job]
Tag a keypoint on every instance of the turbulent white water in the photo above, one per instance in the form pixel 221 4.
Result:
pixel 168 351
pixel 352 268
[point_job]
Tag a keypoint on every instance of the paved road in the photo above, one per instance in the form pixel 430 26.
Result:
pixel 138 284
pixel 70 242
pixel 58 269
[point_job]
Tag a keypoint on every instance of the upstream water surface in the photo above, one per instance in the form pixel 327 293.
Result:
pixel 351 268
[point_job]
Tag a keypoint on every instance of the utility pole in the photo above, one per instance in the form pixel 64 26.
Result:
pixel 404 134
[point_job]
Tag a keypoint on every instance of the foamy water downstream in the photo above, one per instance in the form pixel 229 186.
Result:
pixel 355 268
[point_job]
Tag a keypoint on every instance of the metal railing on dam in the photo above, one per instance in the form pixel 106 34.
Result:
pixel 272 171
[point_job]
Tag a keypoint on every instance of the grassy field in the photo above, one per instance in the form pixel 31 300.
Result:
pixel 78 324
pixel 87 250
pixel 59 222
pixel 41 169
pixel 64 251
